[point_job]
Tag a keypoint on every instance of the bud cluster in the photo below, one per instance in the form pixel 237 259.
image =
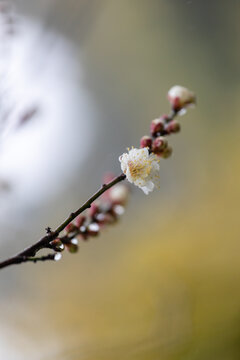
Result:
pixel 179 98
pixel 105 211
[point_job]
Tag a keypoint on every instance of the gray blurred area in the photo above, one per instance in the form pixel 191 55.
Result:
pixel 163 283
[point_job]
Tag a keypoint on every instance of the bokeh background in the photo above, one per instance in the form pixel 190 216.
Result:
pixel 163 283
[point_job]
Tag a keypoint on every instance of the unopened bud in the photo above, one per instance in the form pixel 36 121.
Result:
pixel 74 241
pixel 83 232
pixel 159 144
pixel 172 127
pixel 157 126
pixel 119 194
pixel 118 210
pixel 106 219
pixel 100 218
pixel 180 97
pixel 167 152
pixel 70 228
pixel 79 221
pixel 146 141
pixel 93 229
pixel 57 245
pixel 83 229
pixel 72 248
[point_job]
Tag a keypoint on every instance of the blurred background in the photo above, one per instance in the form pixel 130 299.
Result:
pixel 80 81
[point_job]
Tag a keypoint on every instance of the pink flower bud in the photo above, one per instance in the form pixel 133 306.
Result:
pixel 159 144
pixel 93 229
pixel 79 221
pixel 172 127
pixel 167 152
pixel 119 194
pixel 157 125
pixel 100 218
pixel 83 233
pixel 146 141
pixel 118 210
pixel 104 219
pixel 180 97
pixel 70 228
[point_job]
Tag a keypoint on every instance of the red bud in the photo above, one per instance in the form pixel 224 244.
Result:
pixel 157 126
pixel 159 144
pixel 70 228
pixel 167 152
pixel 146 141
pixel 172 127
pixel 79 221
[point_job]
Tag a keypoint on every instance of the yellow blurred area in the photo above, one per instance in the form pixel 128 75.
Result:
pixel 164 282
pixel 153 288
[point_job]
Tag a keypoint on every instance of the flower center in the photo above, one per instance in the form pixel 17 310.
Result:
pixel 139 169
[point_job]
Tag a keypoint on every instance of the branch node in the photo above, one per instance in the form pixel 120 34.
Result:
pixel 48 230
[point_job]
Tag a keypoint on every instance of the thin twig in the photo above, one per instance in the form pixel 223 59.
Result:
pixel 29 253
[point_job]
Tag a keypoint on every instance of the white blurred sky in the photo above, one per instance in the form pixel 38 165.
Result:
pixel 41 69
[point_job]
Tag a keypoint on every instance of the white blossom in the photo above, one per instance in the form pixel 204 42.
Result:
pixel 141 168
